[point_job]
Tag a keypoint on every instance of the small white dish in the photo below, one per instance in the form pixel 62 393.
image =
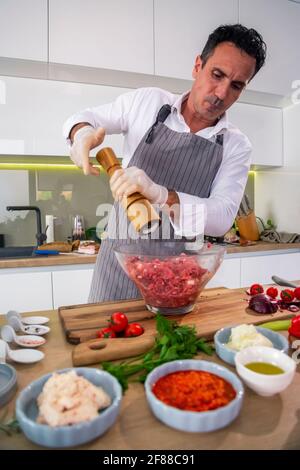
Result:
pixel 32 320
pixel 18 325
pixel 38 320
pixel 23 356
pixel 26 341
pixel 264 384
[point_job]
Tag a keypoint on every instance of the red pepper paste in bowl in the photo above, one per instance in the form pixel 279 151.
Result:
pixel 194 390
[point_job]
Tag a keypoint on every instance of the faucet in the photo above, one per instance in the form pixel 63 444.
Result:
pixel 40 236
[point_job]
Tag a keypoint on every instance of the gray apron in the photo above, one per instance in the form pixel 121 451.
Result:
pixel 182 162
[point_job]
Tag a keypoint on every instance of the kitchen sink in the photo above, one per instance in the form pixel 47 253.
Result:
pixel 16 251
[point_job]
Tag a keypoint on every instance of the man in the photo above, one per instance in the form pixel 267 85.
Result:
pixel 178 152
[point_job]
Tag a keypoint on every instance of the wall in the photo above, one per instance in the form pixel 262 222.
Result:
pixel 277 191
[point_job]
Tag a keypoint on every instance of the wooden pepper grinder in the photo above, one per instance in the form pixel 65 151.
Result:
pixel 139 210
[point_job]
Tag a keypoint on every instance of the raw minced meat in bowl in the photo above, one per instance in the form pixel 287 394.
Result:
pixel 170 275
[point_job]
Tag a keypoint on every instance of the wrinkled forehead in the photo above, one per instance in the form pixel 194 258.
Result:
pixel 232 61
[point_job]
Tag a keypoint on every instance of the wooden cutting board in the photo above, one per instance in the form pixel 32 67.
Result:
pixel 216 309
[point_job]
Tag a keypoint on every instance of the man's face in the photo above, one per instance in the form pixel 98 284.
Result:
pixel 220 82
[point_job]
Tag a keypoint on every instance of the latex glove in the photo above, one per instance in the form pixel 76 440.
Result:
pixel 85 139
pixel 133 179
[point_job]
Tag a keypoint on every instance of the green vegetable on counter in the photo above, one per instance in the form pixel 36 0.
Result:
pixel 277 325
pixel 172 342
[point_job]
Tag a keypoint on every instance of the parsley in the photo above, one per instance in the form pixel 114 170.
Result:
pixel 9 428
pixel 172 342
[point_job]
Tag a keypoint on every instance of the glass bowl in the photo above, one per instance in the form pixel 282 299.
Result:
pixel 170 275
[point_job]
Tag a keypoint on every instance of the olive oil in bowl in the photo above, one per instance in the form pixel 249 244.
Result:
pixel 264 368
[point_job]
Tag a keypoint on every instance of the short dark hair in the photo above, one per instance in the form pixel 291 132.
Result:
pixel 246 39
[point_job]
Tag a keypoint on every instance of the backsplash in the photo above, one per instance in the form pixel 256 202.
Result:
pixel 62 193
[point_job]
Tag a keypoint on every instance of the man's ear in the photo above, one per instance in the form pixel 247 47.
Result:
pixel 197 66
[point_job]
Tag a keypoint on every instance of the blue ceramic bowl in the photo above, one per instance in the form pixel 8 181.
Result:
pixel 222 336
pixel 8 383
pixel 68 436
pixel 193 421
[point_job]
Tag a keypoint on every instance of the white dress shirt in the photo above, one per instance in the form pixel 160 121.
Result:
pixel 134 112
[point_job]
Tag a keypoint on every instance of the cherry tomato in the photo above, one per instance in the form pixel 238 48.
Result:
pixel 134 329
pixel 272 292
pixel 256 289
pixel 287 295
pixel 106 333
pixel 118 322
pixel 297 293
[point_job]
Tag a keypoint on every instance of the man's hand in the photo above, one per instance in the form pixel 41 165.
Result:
pixel 133 179
pixel 85 139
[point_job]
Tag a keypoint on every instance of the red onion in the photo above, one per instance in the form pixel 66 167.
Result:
pixel 262 303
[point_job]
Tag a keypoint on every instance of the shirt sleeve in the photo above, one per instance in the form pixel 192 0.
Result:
pixel 113 117
pixel 214 215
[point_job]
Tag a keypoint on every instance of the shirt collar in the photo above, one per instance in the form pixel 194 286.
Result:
pixel 221 125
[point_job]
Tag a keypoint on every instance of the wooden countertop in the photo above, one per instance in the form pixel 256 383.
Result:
pixel 76 258
pixel 59 260
pixel 264 423
pixel 262 246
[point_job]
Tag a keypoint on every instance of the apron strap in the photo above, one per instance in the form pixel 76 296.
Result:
pixel 219 139
pixel 162 115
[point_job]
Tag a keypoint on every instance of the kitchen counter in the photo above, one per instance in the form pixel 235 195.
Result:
pixel 63 259
pixel 76 258
pixel 264 423
pixel 260 247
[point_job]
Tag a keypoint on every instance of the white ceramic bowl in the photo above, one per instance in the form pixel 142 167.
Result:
pixel 68 436
pixel 192 421
pixel 263 384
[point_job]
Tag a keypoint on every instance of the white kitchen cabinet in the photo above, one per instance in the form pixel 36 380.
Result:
pixel 261 268
pixel 32 113
pixel 71 287
pixel 264 128
pixel 25 291
pixel 182 29
pixel 23 29
pixel 228 275
pixel 278 22
pixel 114 35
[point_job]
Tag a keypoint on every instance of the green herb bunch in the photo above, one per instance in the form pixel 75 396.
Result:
pixel 9 427
pixel 172 342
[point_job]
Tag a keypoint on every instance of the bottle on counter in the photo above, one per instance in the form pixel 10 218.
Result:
pixel 50 228
pixel 78 232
